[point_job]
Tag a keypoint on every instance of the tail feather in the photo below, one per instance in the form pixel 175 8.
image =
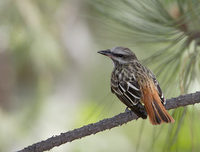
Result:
pixel 155 109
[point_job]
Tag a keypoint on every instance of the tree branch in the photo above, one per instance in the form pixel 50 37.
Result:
pixel 118 120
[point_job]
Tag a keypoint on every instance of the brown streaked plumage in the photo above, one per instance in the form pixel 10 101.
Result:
pixel 136 86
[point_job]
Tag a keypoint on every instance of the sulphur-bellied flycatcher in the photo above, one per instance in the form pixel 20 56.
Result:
pixel 136 86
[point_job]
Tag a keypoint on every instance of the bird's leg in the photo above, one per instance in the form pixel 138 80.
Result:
pixel 127 109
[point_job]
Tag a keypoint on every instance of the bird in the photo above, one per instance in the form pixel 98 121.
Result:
pixel 136 86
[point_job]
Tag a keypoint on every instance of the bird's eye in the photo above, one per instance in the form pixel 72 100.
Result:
pixel 119 55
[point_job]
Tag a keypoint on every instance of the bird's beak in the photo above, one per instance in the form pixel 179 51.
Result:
pixel 106 52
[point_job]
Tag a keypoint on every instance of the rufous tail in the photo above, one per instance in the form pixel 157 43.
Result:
pixel 155 109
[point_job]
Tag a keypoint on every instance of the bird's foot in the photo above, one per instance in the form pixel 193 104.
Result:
pixel 127 109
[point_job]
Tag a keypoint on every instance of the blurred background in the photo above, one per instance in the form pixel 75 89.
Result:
pixel 52 80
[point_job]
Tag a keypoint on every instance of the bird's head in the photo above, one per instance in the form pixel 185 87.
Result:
pixel 119 55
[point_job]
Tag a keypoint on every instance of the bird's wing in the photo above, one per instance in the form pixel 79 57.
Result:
pixel 130 95
pixel 159 90
pixel 128 92
pixel 157 87
pixel 131 91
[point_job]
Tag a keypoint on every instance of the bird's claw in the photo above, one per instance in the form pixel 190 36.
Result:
pixel 127 109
